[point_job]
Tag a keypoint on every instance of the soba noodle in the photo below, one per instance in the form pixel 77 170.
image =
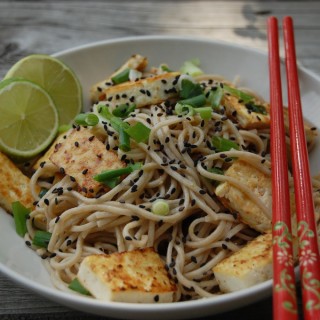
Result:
pixel 197 233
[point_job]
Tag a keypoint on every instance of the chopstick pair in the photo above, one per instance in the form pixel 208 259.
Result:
pixel 284 289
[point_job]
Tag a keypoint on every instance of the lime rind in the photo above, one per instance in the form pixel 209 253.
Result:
pixel 56 78
pixel 29 119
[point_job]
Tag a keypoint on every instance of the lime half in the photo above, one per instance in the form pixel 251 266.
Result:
pixel 29 119
pixel 56 78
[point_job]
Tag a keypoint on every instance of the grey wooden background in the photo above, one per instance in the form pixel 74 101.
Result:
pixel 49 26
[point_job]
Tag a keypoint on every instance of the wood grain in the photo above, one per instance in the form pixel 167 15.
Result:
pixel 50 26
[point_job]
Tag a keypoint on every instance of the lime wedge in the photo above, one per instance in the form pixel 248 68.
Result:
pixel 29 119
pixel 56 78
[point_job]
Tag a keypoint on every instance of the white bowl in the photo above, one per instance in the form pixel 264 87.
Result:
pixel 93 63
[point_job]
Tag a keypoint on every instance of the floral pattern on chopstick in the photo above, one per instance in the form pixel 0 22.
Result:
pixel 308 257
pixel 285 285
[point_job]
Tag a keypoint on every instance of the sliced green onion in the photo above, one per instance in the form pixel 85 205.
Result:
pixel 86 119
pixel 216 170
pixel 256 108
pixel 64 128
pixel 75 285
pixel 191 67
pixel 165 68
pixel 245 97
pixel 115 173
pixel 20 214
pixel 204 112
pixel 41 239
pixel 215 97
pixel 123 110
pixel 160 207
pixel 222 144
pixel 190 89
pixel 111 183
pixel 121 77
pixel 104 111
pixel 124 140
pixel 138 132
pixel 196 101
pixel 117 123
pixel 184 109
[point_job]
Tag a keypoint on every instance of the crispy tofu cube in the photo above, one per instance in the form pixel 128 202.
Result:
pixel 14 185
pixel 137 276
pixel 144 92
pixel 247 119
pixel 50 151
pixel 136 62
pixel 250 265
pixel 236 200
pixel 82 155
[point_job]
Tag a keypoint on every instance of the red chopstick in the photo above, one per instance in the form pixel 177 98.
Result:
pixel 309 259
pixel 284 293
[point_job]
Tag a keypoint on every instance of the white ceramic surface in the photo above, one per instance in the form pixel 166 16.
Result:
pixel 93 63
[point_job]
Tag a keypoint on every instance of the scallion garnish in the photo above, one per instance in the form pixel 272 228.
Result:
pixel 123 110
pixel 64 128
pixel 160 207
pixel 256 108
pixel 223 144
pixel 196 101
pixel 121 77
pixel 41 238
pixel 190 89
pixel 216 170
pixel 115 173
pixel 75 285
pixel 184 109
pixel 165 68
pixel 117 123
pixel 191 67
pixel 20 214
pixel 86 119
pixel 215 97
pixel 204 112
pixel 138 132
pixel 124 140
pixel 104 111
pixel 245 97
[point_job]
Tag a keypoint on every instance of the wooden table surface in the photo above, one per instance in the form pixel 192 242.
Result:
pixel 49 26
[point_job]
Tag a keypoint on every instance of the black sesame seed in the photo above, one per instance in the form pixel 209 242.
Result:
pixel 156 298
pixel 76 144
pixel 46 201
pixel 85 171
pixel 28 243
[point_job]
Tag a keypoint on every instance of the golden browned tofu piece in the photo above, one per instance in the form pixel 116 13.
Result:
pixel 136 62
pixel 246 118
pixel 236 200
pixel 143 92
pixel 14 185
pixel 50 151
pixel 251 265
pixel 133 276
pixel 81 155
